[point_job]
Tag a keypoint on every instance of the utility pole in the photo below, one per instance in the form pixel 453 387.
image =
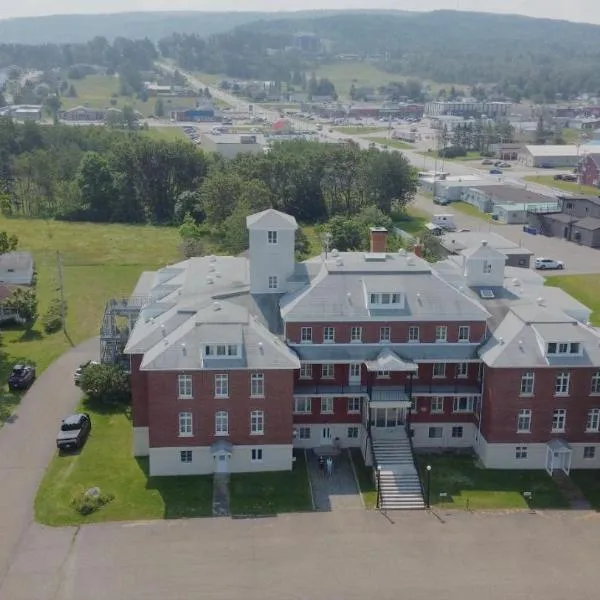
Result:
pixel 61 288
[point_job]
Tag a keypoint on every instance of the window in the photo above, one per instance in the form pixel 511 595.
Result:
pixel 256 454
pixel 184 386
pixel 306 371
pixel 527 383
pixel 273 282
pixel 593 420
pixel 464 333
pixel 487 266
pixel 222 350
pixel 304 433
pixel 524 421
pixel 561 387
pixel 257 385
pixel 439 369
pixel 464 404
pixel 589 452
pixel 221 386
pixel 521 452
pixel 328 335
pixel 306 335
pixel 355 371
pixel 326 406
pixel 596 383
pixel 457 431
pixel 271 237
pixel 385 334
pixel 559 420
pixel 185 424
pixel 563 348
pixel 435 433
pixel 413 334
pixel 221 422
pixel 436 405
pixel 462 370
pixel 383 374
pixel 385 298
pixel 356 334
pixel 327 371
pixel 302 406
pixel 353 406
pixel 257 422
pixel 353 433
pixel 441 333
pixel 185 456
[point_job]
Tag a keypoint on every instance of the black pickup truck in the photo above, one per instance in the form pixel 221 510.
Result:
pixel 74 430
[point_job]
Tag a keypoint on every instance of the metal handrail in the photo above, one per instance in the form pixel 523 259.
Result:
pixel 375 465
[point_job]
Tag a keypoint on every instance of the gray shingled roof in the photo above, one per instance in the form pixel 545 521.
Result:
pixel 271 219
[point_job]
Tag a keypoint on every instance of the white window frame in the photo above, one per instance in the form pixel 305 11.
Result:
pixel 352 432
pixel 457 429
pixel 185 390
pixel 589 452
pixel 464 338
pixel 521 452
pixel 355 334
pixel 257 385
pixel 328 371
pixel 383 374
pixel 273 282
pixel 329 335
pixel 272 237
pixel 524 420
pixel 304 433
pixel 257 422
pixel 595 383
pixel 221 423
pixel 385 335
pixel 186 424
pixel 306 335
pixel 302 406
pixel 353 406
pixel 436 405
pixel 221 385
pixel 256 455
pixel 306 371
pixel 441 334
pixel 435 429
pixel 457 401
pixel 527 386
pixel 462 370
pixel 562 383
pixel 439 366
pixel 592 424
pixel 559 420
pixel 326 405
pixel 185 456
pixel 413 334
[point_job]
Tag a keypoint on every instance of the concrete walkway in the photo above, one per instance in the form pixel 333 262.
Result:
pixel 335 492
pixel 220 506
pixel 571 491
pixel 27 443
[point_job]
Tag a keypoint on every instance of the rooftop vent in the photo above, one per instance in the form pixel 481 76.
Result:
pixel 375 256
pixel 260 347
pixel 183 349
pixel 335 253
pixel 339 262
pixel 402 252
pixel 501 341
pixel 216 306
pixel 209 280
pixel 541 302
pixel 516 282
pixel 520 342
pixel 212 258
pixel 410 261
pixel 163 329
pixel 484 243
pixel 166 342
pixel 217 274
pixel 211 269
pixel 487 294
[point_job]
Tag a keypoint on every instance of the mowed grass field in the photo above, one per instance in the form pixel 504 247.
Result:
pixel 586 288
pixel 99 262
pixel 168 134
pixel 96 91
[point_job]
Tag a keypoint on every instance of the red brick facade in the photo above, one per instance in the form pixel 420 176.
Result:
pixel 340 413
pixel 590 173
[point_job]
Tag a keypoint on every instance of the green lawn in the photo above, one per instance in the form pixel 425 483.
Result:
pixel 586 288
pixel 271 493
pixel 106 462
pixel 360 130
pixel 99 262
pixel 472 211
pixel 589 483
pixel 364 475
pixel 567 186
pixel 168 134
pixel 470 486
pixel 414 221
pixel 391 143
pixel 314 239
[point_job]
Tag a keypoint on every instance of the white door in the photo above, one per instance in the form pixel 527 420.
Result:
pixel 222 463
pixel 354 374
pixel 326 436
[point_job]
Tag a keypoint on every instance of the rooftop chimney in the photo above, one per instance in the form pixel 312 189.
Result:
pixel 378 239
pixel 418 250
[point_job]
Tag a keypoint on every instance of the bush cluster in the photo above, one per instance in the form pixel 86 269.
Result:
pixel 85 502
pixel 52 320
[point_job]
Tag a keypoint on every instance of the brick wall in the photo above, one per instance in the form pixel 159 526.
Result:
pixel 139 393
pixel 340 413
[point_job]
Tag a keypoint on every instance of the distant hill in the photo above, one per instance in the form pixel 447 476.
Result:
pixel 60 29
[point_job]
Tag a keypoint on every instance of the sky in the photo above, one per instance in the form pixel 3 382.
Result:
pixel 587 11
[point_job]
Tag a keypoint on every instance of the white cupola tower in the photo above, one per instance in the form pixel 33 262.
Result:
pixel 484 266
pixel 272 236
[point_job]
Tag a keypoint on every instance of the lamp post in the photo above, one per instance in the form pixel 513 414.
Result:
pixel 428 493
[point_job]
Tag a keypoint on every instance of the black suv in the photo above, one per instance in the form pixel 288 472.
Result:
pixel 74 430
pixel 21 377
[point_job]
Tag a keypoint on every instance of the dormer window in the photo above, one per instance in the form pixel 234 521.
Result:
pixel 271 237
pixel 222 350
pixel 555 348
pixel 386 299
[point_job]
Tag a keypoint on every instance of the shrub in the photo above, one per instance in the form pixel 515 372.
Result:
pixel 85 502
pixel 52 319
pixel 108 384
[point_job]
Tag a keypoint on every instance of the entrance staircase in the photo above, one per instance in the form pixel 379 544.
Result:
pixel 400 486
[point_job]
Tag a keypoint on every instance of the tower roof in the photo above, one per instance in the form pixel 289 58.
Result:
pixel 271 219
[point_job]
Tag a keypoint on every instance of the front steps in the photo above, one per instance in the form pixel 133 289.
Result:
pixel 400 486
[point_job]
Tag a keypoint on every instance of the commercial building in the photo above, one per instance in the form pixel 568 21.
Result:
pixel 236 362
pixel 204 114
pixel 488 197
pixel 552 156
pixel 468 108
pixel 22 112
pixel 453 188
pixel 82 114
pixel 229 145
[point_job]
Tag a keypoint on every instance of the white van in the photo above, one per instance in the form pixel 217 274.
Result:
pixel 434 229
pixel 445 221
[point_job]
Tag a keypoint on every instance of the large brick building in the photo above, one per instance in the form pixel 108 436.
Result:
pixel 237 361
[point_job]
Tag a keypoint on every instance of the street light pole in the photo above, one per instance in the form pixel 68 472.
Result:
pixel 428 494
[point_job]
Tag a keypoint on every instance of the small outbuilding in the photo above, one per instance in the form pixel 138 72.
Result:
pixel 16 268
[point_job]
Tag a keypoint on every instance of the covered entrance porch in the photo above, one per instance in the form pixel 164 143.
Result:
pixel 558 457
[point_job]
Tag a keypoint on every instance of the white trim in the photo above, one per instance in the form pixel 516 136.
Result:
pixel 141 441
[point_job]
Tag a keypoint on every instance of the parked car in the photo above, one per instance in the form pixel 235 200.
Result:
pixel 504 165
pixel 440 201
pixel 74 430
pixel 21 377
pixel 495 172
pixel 81 369
pixel 548 264
pixel 486 161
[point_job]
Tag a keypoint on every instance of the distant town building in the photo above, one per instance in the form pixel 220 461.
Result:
pixel 230 145
pixel 493 110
